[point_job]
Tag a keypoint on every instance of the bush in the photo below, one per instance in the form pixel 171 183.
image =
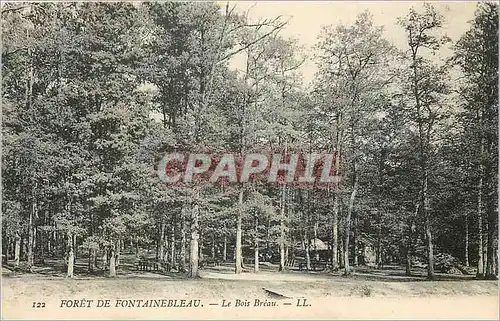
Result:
pixel 445 263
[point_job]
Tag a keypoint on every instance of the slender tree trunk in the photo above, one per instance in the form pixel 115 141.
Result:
pixel 92 260
pixel 41 245
pixel 162 240
pixel 335 233
pixel 238 249
pixel 22 249
pixel 201 246
pixel 165 249
pixel 480 263
pixel 54 243
pixel 157 249
pixel 256 245
pixel 112 261
pixel 409 247
pixel 212 247
pixel 183 241
pixel 137 246
pixel 305 229
pixel 307 248
pixel 379 240
pixel 466 254
pixel 224 249
pixel 75 247
pixel 408 260
pixel 355 239
pixel 315 231
pixel 287 253
pixel 430 251
pixel 71 257
pixel 105 259
pixel 491 236
pixel 17 249
pixel 336 195
pixel 348 224
pixel 31 236
pixel 341 255
pixel 282 231
pixel 490 273
pixel 194 255
pixel 118 252
pixel 424 140
pixel 49 245
pixel 172 245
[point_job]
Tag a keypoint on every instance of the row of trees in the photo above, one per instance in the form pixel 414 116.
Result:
pixel 95 94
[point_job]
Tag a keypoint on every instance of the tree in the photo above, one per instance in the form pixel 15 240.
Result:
pixel 476 53
pixel 425 86
pixel 351 76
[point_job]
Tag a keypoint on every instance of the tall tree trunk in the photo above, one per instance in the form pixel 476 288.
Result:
pixel 75 247
pixel 491 236
pixel 341 255
pixel 201 246
pixel 336 195
pixel 424 140
pixel 165 248
pixel 466 254
pixel 118 252
pixel 408 260
pixel 162 240
pixel 22 249
pixel 71 257
pixel 256 245
pixel 335 233
pixel 409 247
pixel 104 259
pixel 305 229
pixel 194 255
pixel 379 239
pixel 480 263
pixel 212 247
pixel 172 245
pixel 307 248
pixel 238 250
pixel 41 245
pixel 17 249
pixel 137 247
pixel 49 245
pixel 182 263
pixel 428 234
pixel 224 249
pixel 31 236
pixel 348 223
pixel 282 231
pixel 112 260
pixel 355 239
pixel 92 260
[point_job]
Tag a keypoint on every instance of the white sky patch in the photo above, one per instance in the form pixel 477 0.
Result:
pixel 307 18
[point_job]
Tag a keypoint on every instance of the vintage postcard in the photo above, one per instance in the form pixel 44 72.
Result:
pixel 249 160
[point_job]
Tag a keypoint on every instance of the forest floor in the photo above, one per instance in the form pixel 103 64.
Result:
pixel 367 289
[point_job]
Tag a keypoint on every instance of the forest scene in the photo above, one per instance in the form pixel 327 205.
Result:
pixel 94 94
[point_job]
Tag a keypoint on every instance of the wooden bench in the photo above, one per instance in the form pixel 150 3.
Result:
pixel 210 262
pixel 147 265
pixel 315 265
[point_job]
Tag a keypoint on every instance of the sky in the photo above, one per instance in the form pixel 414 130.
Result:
pixel 306 18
